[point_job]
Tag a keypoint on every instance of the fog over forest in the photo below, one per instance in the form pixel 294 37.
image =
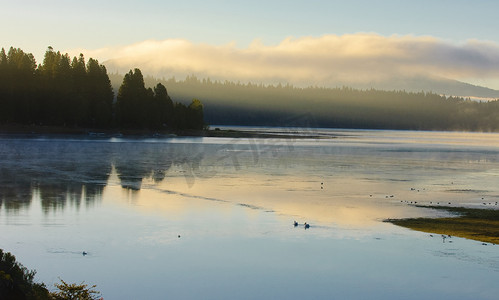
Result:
pixel 77 93
pixel 360 60
pixel 230 103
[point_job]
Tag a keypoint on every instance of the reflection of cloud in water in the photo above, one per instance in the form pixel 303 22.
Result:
pixel 302 202
pixel 243 214
pixel 265 174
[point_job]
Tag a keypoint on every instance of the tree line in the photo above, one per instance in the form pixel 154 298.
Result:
pixel 74 93
pixel 236 103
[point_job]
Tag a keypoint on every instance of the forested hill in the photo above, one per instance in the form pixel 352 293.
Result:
pixel 229 103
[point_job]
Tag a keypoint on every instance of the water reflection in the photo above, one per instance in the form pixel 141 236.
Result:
pixel 72 171
pixel 54 194
pixel 56 172
pixel 15 192
pixel 274 175
pixel 134 162
pixel 233 203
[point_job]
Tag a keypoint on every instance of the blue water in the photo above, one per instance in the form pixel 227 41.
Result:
pixel 212 218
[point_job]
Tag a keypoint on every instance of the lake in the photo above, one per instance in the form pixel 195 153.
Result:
pixel 212 218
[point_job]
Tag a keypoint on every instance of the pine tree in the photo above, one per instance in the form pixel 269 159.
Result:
pixel 130 103
pixel 162 109
pixel 99 95
pixel 195 115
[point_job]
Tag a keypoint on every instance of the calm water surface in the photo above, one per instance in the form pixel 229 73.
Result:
pixel 212 218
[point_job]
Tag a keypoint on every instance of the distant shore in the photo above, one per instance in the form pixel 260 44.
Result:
pixel 470 223
pixel 18 129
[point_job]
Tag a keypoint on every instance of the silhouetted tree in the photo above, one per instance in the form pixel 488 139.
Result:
pixel 130 104
pixel 179 120
pixel 138 107
pixel 17 282
pixel 71 93
pixel 17 85
pixel 78 100
pixel 195 119
pixel 5 110
pixel 162 107
pixel 99 94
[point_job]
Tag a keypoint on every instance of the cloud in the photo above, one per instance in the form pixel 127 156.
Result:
pixel 326 60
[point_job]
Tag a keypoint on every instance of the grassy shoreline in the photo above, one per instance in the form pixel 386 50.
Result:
pixel 470 223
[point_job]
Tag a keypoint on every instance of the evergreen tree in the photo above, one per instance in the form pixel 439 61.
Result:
pixel 18 74
pixel 162 110
pixel 180 113
pixel 78 108
pixel 63 85
pixel 3 58
pixel 132 95
pixel 55 85
pixel 60 91
pixel 195 119
pixel 100 95
pixel 4 93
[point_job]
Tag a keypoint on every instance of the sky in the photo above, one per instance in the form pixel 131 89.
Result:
pixel 313 42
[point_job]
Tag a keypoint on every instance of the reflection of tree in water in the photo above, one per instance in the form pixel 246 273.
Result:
pixel 57 171
pixel 55 195
pixel 134 162
pixel 71 172
pixel 137 161
pixel 15 191
pixel 130 174
pixel 80 174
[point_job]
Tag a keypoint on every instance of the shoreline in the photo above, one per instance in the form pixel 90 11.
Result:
pixel 479 224
pixel 35 130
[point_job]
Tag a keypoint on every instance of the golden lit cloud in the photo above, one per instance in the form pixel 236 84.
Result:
pixel 326 60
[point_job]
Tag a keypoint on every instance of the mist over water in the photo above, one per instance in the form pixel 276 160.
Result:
pixel 212 218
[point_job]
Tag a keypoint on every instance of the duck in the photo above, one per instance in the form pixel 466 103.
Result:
pixel 306 225
pixel 295 223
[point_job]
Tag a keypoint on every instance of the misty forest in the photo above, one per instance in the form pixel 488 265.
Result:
pixel 70 92
pixel 229 103
pixel 74 93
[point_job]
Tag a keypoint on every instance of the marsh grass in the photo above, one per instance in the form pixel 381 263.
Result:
pixel 476 224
